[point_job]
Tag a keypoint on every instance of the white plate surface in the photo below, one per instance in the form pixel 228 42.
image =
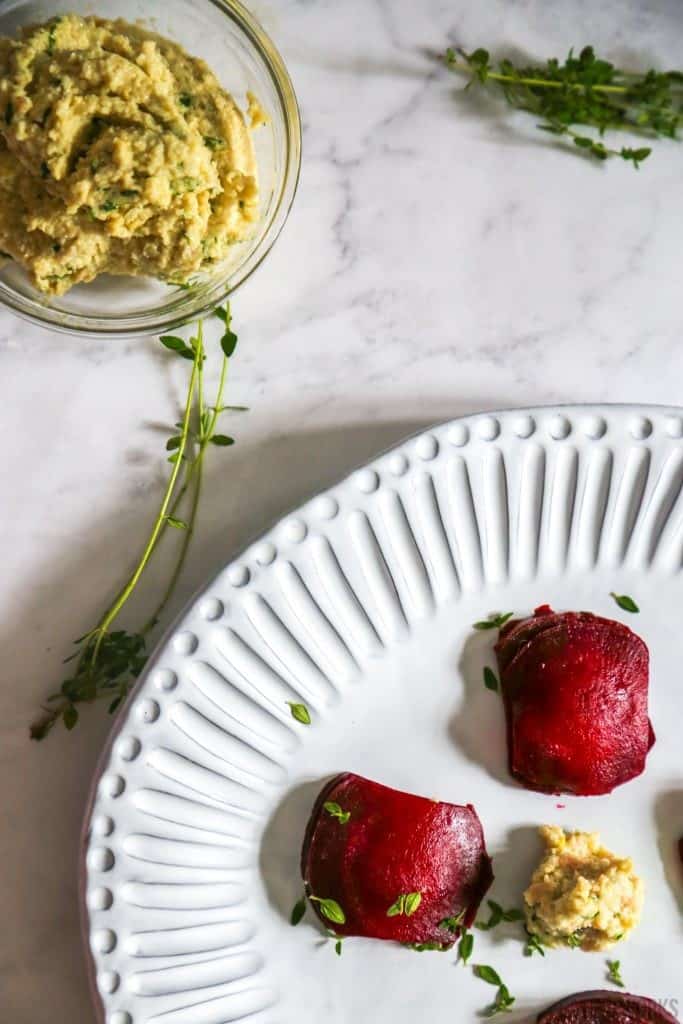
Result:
pixel 361 605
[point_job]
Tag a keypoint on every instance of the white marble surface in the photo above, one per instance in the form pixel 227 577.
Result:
pixel 441 258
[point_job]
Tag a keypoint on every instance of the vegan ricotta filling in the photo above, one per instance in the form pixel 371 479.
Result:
pixel 582 895
pixel 119 153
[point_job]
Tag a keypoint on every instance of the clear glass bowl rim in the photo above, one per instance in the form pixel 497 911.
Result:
pixel 195 304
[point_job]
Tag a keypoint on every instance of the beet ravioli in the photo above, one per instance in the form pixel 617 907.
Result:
pixel 389 865
pixel 575 688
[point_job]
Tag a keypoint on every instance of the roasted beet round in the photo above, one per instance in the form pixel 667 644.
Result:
pixel 602 1007
pixel 575 688
pixel 392 845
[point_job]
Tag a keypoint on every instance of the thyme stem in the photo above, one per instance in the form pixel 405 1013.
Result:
pixel 160 522
pixel 108 661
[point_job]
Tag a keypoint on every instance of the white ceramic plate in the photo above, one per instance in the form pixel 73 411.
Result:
pixel 360 605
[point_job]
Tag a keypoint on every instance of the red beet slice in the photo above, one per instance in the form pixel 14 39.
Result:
pixel 394 844
pixel 517 632
pixel 602 1007
pixel 575 688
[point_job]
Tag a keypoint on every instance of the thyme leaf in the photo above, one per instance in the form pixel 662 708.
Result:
pixel 614 973
pixel 626 603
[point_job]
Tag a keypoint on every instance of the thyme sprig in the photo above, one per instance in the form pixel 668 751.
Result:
pixel 584 90
pixel 107 661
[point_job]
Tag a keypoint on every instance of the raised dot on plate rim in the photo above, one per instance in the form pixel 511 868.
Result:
pixel 211 608
pixel 641 428
pixel 559 427
pixel 239 575
pixel 295 531
pixel 488 428
pixel 112 785
pixel 100 898
pixel 128 748
pixel 524 426
pixel 265 553
pixel 101 858
pixel 108 981
pixel 325 507
pixel 147 710
pixel 185 642
pixel 119 1017
pixel 594 427
pixel 165 679
pixel 102 825
pixel 398 464
pixel 367 480
pixel 427 447
pixel 458 435
pixel 104 940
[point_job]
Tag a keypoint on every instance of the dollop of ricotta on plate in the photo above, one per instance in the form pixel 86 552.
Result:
pixel 581 894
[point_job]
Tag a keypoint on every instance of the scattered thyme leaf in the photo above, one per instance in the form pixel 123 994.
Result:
pixel 503 1001
pixel 338 947
pixel 453 924
pixel 300 712
pixel 336 811
pixel 330 909
pixel 487 974
pixel 490 679
pixel 413 901
pixel 397 907
pixel 513 914
pixel 177 524
pixel 626 603
pixel 614 973
pixel 407 903
pixel 533 945
pixel 498 915
pixel 494 621
pixel 465 947
pixel 298 911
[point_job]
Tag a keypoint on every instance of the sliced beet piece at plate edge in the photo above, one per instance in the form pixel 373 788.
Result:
pixel 606 1007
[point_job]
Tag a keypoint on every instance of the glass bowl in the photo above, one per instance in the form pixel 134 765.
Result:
pixel 239 52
